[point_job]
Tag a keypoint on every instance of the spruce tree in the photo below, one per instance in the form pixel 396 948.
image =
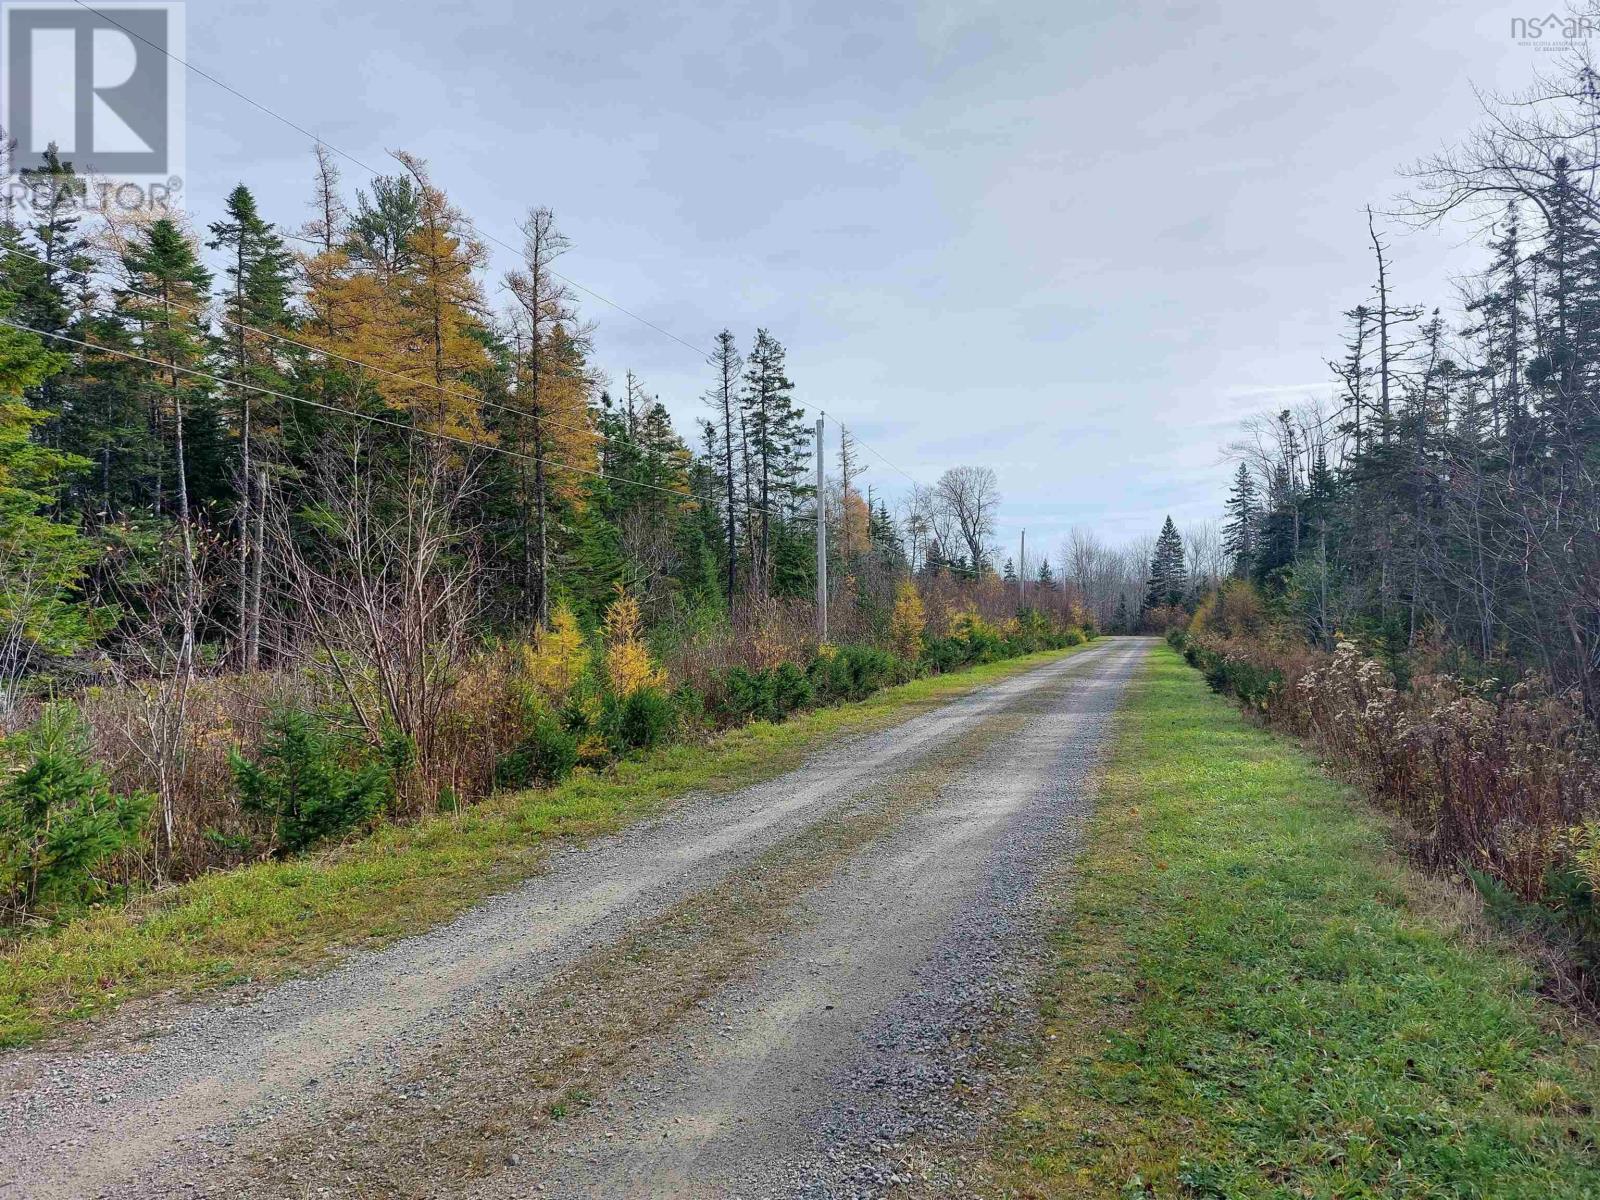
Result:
pixel 42 560
pixel 1169 577
pixel 161 313
pixel 1244 514
pixel 723 397
pixel 778 441
pixel 255 308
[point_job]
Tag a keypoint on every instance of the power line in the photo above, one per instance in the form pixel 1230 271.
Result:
pixel 868 447
pixel 319 140
pixel 369 417
pixel 371 170
pixel 285 339
pixel 200 311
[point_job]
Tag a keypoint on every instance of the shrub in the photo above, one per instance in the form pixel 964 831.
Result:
pixel 558 657
pixel 690 707
pixel 1502 783
pixel 629 667
pixel 852 673
pixel 58 817
pixel 945 654
pixel 907 622
pixel 642 719
pixel 545 755
pixel 790 688
pixel 980 642
pixel 769 694
pixel 744 696
pixel 313 783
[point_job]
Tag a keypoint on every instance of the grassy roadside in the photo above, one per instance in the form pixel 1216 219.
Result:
pixel 273 918
pixel 1255 997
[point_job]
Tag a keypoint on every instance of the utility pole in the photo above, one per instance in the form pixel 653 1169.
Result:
pixel 822 541
pixel 1022 571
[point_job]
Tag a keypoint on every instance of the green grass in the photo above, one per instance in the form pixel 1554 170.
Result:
pixel 273 918
pixel 1255 996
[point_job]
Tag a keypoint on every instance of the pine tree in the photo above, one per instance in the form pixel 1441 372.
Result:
pixel 383 230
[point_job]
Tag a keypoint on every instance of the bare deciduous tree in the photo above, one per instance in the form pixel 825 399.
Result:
pixel 386 584
pixel 969 497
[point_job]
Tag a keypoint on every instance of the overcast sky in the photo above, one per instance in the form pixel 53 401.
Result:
pixel 1075 243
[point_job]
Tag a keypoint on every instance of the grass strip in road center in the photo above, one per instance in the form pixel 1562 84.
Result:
pixel 1255 996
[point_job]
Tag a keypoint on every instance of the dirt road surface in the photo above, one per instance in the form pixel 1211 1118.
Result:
pixel 794 990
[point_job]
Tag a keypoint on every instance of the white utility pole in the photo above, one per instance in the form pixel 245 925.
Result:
pixel 1022 572
pixel 822 540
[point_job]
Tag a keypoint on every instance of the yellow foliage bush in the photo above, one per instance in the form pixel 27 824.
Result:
pixel 556 660
pixel 629 667
pixel 1234 610
pixel 966 624
pixel 907 622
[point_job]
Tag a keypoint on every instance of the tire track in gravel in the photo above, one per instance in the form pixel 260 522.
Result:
pixel 864 1033
pixel 184 1107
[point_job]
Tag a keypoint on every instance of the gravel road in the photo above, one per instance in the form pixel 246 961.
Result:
pixel 776 992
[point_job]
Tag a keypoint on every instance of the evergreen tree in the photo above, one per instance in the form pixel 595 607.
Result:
pixel 162 314
pixel 382 230
pixel 50 289
pixel 255 314
pixel 777 442
pixel 723 397
pixel 1169 578
pixel 1244 514
pixel 42 560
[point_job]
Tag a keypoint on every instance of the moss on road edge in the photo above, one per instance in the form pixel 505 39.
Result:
pixel 268 920
pixel 1254 996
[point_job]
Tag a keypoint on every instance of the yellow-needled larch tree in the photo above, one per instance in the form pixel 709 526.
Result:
pixel 553 425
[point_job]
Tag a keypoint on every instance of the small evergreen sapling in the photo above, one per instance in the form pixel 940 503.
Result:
pixel 58 817
pixel 311 783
